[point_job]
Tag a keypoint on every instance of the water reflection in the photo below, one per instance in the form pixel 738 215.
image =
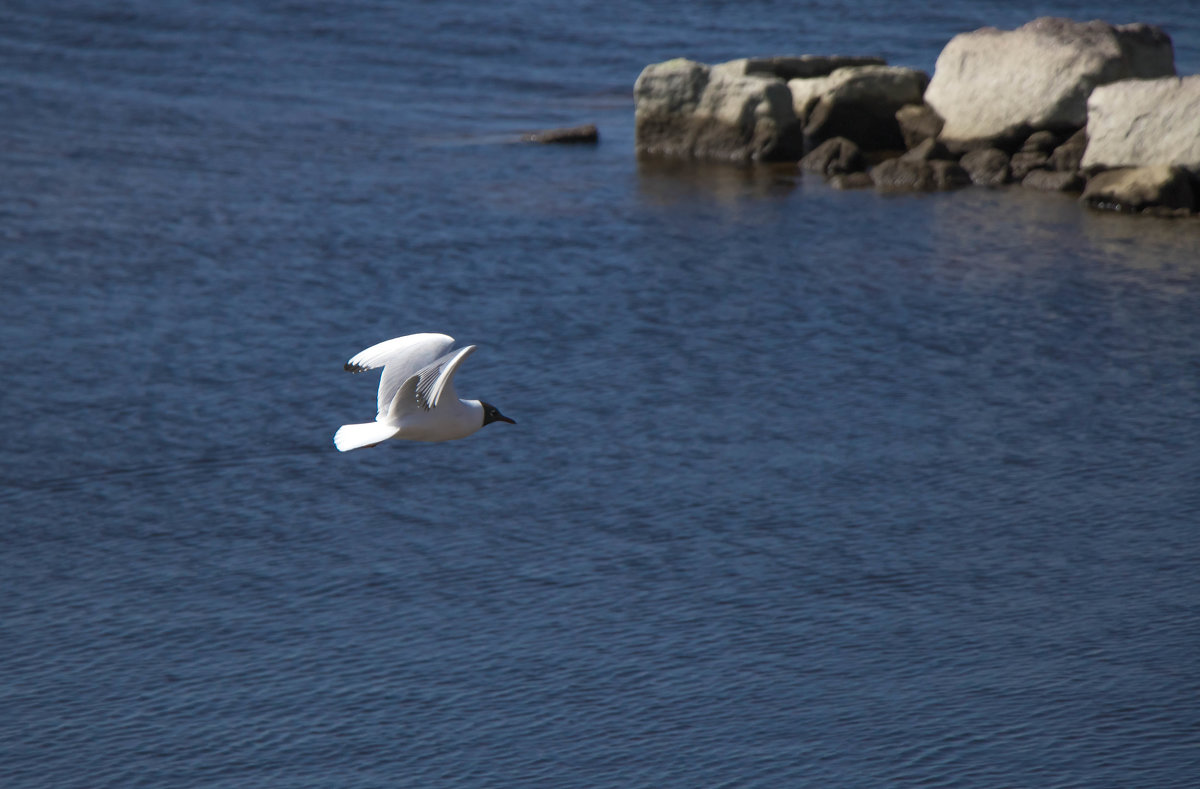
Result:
pixel 1023 230
pixel 666 181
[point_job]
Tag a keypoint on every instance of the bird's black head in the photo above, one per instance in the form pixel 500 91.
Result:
pixel 492 414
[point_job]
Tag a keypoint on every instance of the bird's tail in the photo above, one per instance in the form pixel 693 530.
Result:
pixel 366 434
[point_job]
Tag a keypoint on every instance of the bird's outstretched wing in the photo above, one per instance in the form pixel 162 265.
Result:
pixel 429 386
pixel 401 358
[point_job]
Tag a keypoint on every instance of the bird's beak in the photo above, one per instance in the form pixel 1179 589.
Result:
pixel 503 418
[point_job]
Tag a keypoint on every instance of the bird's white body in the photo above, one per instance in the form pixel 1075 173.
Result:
pixel 450 420
pixel 416 401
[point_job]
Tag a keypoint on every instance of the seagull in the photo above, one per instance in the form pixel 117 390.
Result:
pixel 417 401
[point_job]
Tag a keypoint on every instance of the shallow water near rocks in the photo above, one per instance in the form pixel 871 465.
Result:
pixel 808 487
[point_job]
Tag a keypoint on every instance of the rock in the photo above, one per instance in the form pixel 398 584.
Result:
pixel 918 122
pixel 1067 157
pixel 673 87
pixel 918 175
pixel 1043 142
pixel 685 108
pixel 858 103
pixel 797 66
pixel 993 87
pixel 949 175
pixel 833 157
pixel 898 175
pixel 1022 163
pixel 926 151
pixel 1145 122
pixel 859 180
pixel 1053 181
pixel 1157 189
pixel 987 166
pixel 805 95
pixel 573 134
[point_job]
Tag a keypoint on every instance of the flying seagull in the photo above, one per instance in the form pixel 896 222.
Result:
pixel 417 401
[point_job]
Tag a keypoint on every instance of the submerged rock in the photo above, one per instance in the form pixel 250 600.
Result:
pixel 918 175
pixel 1156 189
pixel 859 180
pixel 833 157
pixel 1053 181
pixel 571 134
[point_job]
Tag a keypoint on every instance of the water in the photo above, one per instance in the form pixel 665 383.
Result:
pixel 808 487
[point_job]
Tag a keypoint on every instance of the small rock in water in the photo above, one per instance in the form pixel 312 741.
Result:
pixel 1053 181
pixel 1067 157
pixel 1160 189
pixel 835 156
pixel 987 166
pixel 572 134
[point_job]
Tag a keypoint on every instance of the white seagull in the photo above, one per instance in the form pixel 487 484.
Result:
pixel 417 401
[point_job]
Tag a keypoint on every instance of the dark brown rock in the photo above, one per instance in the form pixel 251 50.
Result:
pixel 859 180
pixel 1022 162
pixel 928 149
pixel 918 175
pixel 573 134
pixel 1068 156
pixel 987 166
pixel 1043 142
pixel 1053 181
pixel 900 175
pixel 918 122
pixel 833 157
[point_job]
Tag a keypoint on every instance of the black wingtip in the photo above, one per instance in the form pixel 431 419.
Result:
pixel 354 368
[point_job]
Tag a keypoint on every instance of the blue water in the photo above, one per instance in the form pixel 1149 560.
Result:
pixel 808 488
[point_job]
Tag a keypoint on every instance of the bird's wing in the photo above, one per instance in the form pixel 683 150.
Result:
pixel 429 386
pixel 404 402
pixel 401 358
pixel 438 378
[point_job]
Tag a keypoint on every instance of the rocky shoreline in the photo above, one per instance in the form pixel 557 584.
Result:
pixel 1058 105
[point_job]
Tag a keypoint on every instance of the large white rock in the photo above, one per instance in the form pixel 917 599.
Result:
pixel 671 87
pixel 685 108
pixel 1139 123
pixel 992 84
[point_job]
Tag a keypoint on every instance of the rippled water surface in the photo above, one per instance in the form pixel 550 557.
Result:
pixel 808 488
